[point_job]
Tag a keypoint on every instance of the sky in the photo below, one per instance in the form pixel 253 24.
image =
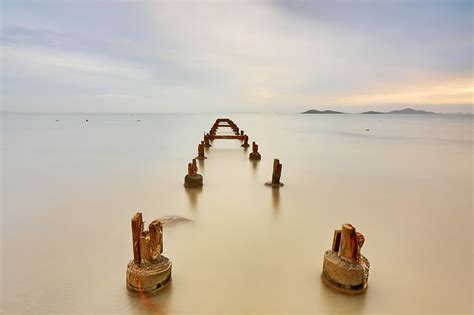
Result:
pixel 236 56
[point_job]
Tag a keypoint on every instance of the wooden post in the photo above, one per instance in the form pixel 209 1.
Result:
pixel 336 241
pixel 276 172
pixel 190 169
pixel 349 249
pixel 206 140
pixel 254 147
pixel 246 141
pixel 195 167
pixel 201 150
pixel 156 238
pixel 137 229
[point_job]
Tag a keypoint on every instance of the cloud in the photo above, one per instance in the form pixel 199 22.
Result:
pixel 266 54
pixel 235 56
pixel 24 58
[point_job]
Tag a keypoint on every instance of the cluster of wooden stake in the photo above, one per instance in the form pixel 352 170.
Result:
pixel 195 180
pixel 345 269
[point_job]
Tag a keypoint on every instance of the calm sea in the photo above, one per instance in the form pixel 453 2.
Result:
pixel 70 188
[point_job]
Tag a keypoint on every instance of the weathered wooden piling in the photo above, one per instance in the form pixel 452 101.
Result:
pixel 193 179
pixel 345 269
pixel 254 155
pixel 201 155
pixel 246 141
pixel 149 271
pixel 207 143
pixel 277 166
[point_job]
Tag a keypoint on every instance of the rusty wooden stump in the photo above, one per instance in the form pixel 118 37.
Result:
pixel 201 155
pixel 345 269
pixel 277 166
pixel 193 179
pixel 149 271
pixel 254 155
pixel 207 143
pixel 246 142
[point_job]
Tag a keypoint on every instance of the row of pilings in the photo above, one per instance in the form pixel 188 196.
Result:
pixel 195 180
pixel 345 269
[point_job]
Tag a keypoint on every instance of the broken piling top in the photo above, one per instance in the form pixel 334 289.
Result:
pixel 192 168
pixel 347 243
pixel 254 147
pixel 147 245
pixel 201 151
pixel 246 141
pixel 277 166
pixel 195 167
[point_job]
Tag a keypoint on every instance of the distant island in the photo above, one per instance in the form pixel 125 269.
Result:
pixel 410 111
pixel 372 112
pixel 314 111
pixel 400 111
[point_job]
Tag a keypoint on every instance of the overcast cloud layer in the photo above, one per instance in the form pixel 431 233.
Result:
pixel 96 56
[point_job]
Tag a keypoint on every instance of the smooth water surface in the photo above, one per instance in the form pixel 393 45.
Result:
pixel 70 188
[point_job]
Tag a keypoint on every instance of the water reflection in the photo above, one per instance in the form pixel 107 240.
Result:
pixel 152 304
pixel 193 196
pixel 201 166
pixel 336 303
pixel 254 166
pixel 276 199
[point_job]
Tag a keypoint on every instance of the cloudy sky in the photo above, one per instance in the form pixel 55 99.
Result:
pixel 196 56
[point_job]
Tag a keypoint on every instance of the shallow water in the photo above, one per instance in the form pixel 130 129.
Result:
pixel 70 188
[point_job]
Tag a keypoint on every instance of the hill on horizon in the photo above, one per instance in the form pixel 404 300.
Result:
pixel 315 111
pixel 371 112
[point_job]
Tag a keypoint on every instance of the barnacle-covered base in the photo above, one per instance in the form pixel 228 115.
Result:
pixel 194 181
pixel 345 276
pixel 274 185
pixel 149 278
pixel 255 156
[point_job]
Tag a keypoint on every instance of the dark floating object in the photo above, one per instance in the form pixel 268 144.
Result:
pixel 254 155
pixel 201 155
pixel 246 142
pixel 276 174
pixel 367 129
pixel 138 119
pixel 57 119
pixel 149 271
pixel 87 120
pixel 345 269
pixel 193 179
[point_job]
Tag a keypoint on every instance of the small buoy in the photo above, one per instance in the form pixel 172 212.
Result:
pixel 367 129
pixel 57 119
pixel 87 120
pixel 138 119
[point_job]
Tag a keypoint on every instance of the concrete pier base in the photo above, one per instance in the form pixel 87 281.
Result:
pixel 255 156
pixel 193 181
pixel 345 276
pixel 273 185
pixel 149 278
